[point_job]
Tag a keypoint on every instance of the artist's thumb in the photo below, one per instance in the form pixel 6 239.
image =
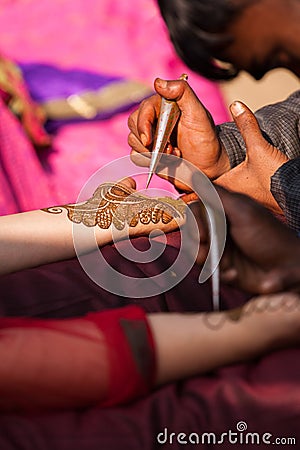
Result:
pixel 181 92
pixel 249 129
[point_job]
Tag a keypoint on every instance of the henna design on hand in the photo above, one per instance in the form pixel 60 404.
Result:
pixel 114 203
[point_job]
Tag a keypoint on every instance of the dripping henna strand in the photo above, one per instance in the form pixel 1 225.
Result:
pixel 114 203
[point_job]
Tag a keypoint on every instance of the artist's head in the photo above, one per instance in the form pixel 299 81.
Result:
pixel 251 35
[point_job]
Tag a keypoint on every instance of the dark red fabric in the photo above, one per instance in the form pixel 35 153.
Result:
pixel 126 382
pixel 264 393
pixel 122 350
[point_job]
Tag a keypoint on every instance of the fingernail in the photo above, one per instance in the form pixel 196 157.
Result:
pixel 268 286
pixel 237 108
pixel 229 274
pixel 161 83
pixel 144 139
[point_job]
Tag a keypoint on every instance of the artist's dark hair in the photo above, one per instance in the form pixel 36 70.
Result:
pixel 198 31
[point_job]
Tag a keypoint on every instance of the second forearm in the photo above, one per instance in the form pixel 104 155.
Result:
pixel 187 345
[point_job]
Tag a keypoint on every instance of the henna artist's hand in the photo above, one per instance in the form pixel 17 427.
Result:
pixel 195 137
pixel 253 176
pixel 262 255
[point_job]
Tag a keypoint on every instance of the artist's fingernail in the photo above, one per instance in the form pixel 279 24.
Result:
pixel 237 108
pixel 269 286
pixel 229 274
pixel 161 83
pixel 176 152
pixel 144 139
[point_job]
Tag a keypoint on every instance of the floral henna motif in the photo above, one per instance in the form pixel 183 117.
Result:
pixel 113 203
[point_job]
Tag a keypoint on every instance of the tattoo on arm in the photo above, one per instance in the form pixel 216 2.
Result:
pixel 113 203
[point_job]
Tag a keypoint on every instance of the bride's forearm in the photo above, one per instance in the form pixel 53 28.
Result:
pixel 34 238
pixel 115 210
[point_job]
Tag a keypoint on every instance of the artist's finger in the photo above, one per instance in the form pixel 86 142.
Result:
pixel 197 240
pixel 248 126
pixel 132 122
pixel 226 263
pixel 265 158
pixel 282 279
pixel 136 145
pixel 229 275
pixel 141 159
pixel 142 122
pixel 176 152
pixel 190 197
pixel 170 150
pixel 246 276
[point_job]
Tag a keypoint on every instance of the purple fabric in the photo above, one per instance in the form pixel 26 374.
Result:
pixel 264 393
pixel 47 82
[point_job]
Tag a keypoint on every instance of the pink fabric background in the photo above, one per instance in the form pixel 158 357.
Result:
pixel 115 37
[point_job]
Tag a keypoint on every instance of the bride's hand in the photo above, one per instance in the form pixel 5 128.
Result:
pixel 118 205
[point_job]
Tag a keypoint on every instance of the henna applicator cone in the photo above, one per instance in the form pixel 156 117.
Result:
pixel 168 116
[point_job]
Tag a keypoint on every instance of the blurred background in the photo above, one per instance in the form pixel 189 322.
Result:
pixel 81 44
pixel 71 73
pixel 275 86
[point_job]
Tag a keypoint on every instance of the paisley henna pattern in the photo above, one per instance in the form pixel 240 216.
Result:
pixel 116 204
